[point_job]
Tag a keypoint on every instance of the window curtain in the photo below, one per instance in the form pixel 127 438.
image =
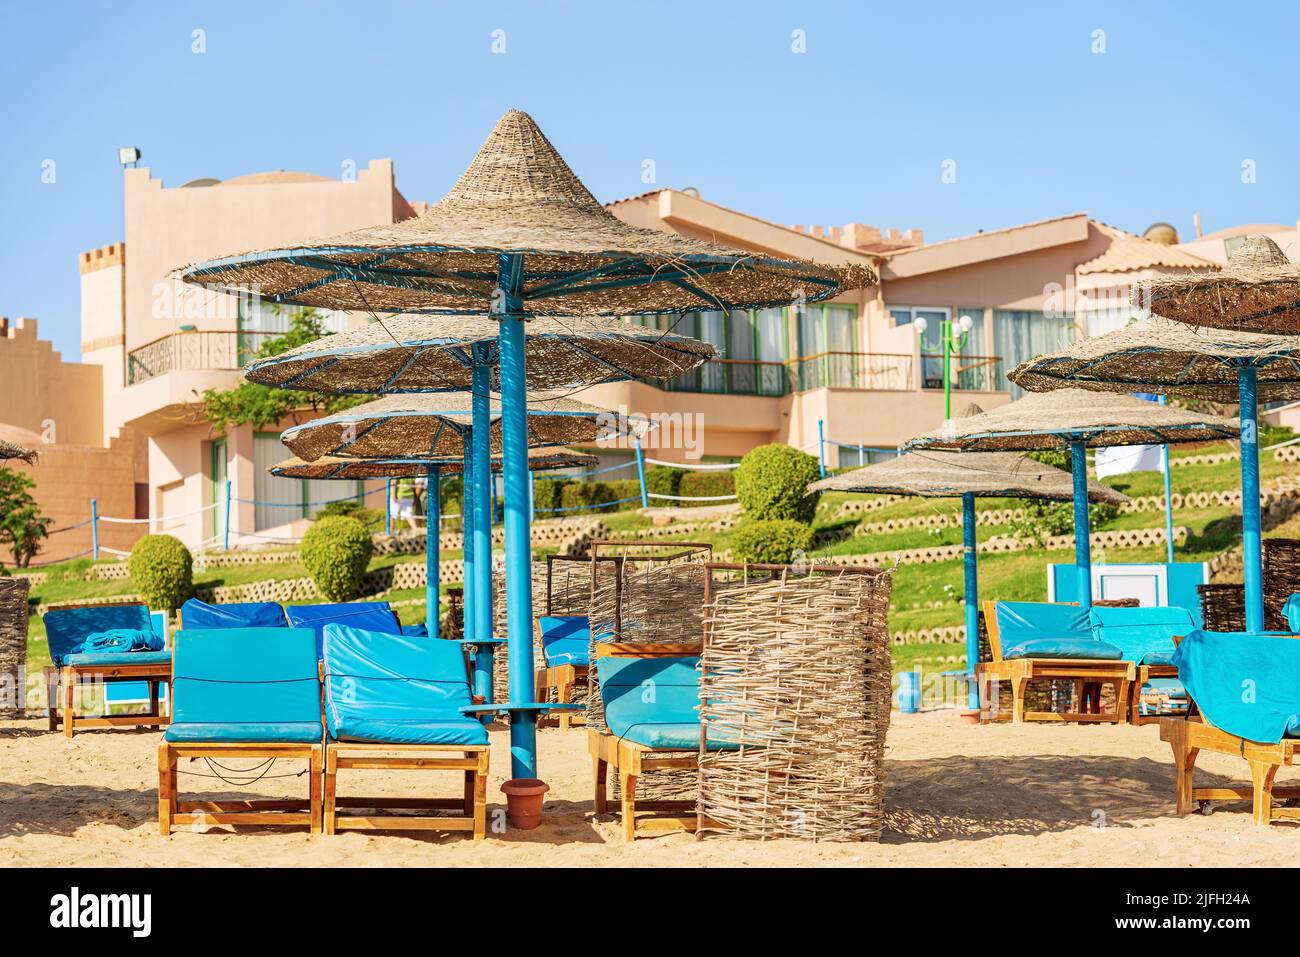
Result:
pixel 1018 336
pixel 772 348
pixel 278 494
pixel 975 373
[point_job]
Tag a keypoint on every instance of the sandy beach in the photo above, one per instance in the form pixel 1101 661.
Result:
pixel 957 795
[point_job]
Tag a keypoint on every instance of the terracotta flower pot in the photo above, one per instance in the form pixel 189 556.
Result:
pixel 524 797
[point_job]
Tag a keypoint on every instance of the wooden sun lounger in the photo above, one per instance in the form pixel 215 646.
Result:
pixel 629 760
pixel 61 688
pixel 1144 674
pixel 1081 671
pixel 1188 737
pixel 174 814
pixel 471 759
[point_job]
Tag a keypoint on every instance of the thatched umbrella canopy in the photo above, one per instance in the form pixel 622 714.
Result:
pixel 967 475
pixel 1257 291
pixel 411 354
pixel 1169 358
pixel 9 450
pixel 1074 419
pixel 337 467
pixel 1066 417
pixel 935 474
pixel 435 425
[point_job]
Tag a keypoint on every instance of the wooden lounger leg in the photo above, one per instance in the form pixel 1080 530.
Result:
pixel 1184 766
pixel 331 789
pixel 563 695
pixel 601 770
pixel 154 699
pixel 627 789
pixel 1261 779
pixel 1121 701
pixel 314 790
pixel 52 697
pixel 1018 686
pixel 166 789
pixel 467 803
pixel 69 699
pixel 480 796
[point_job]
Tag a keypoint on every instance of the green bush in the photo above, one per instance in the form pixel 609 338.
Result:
pixel 369 517
pixel 335 552
pixel 772 483
pixel 162 571
pixel 663 480
pixel 773 541
pixel 547 493
pixel 585 495
pixel 708 484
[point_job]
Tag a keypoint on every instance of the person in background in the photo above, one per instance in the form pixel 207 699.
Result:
pixel 404 501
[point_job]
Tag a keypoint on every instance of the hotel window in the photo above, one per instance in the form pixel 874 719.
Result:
pixel 283 500
pixel 827 346
pixel 259 321
pixel 1020 335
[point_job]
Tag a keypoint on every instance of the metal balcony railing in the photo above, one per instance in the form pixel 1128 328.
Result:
pixel 193 350
pixel 973 373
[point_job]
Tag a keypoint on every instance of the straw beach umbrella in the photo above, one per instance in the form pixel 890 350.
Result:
pixel 520 236
pixel 344 469
pixel 10 451
pixel 1171 358
pixel 1258 290
pixel 966 475
pixel 1076 420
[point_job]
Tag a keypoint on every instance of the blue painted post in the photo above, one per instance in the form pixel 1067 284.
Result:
pixel 1082 550
pixel 388 508
pixel 640 473
pixel 496 503
pixel 1251 545
pixel 467 539
pixel 821 446
pixel 514 440
pixel 1169 499
pixel 94 529
pixel 226 543
pixel 432 527
pixel 481 443
pixel 968 524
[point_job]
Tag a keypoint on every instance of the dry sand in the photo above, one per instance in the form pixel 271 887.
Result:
pixel 957 795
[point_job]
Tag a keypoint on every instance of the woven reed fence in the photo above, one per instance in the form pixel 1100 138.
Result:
pixel 795 673
pixel 13 645
pixel 646 593
pixel 1223 606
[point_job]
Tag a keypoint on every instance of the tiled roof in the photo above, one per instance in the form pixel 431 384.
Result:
pixel 1132 253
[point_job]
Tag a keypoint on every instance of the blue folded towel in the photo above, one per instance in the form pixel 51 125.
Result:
pixel 122 640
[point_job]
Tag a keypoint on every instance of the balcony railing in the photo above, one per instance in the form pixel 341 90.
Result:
pixel 867 371
pixel 195 350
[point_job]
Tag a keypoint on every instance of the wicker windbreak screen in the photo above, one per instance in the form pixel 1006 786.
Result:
pixel 795 688
pixel 13 643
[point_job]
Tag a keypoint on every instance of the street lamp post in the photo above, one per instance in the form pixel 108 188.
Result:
pixel 952 337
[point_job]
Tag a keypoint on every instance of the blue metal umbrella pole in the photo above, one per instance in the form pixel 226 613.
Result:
pixel 467 542
pixel 514 441
pixel 433 506
pixel 1251 544
pixel 972 597
pixel 1082 549
pixel 481 448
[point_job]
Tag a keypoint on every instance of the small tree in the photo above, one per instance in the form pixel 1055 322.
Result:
pixel 772 483
pixel 22 526
pixel 162 571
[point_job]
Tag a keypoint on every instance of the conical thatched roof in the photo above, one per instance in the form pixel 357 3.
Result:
pixel 1169 357
pixel 519 196
pixel 9 450
pixel 935 474
pixel 437 425
pixel 411 354
pixel 1053 420
pixel 336 467
pixel 1257 291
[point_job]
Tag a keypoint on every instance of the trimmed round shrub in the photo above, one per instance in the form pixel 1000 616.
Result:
pixel 335 551
pixel 162 571
pixel 774 541
pixel 772 483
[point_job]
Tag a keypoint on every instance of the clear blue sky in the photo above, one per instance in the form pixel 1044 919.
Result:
pixel 856 128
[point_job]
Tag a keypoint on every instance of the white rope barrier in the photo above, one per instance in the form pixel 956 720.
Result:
pixel 692 498
pixel 724 466
pixel 160 519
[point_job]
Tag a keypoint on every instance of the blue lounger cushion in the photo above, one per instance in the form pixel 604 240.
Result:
pixel 654 701
pixel 367 615
pixel 245 685
pixel 1291 610
pixel 1145 635
pixel 83 659
pixel 66 629
pixel 243 614
pixel 1245 684
pixel 1075 648
pixel 418 630
pixel 386 688
pixel 566 639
